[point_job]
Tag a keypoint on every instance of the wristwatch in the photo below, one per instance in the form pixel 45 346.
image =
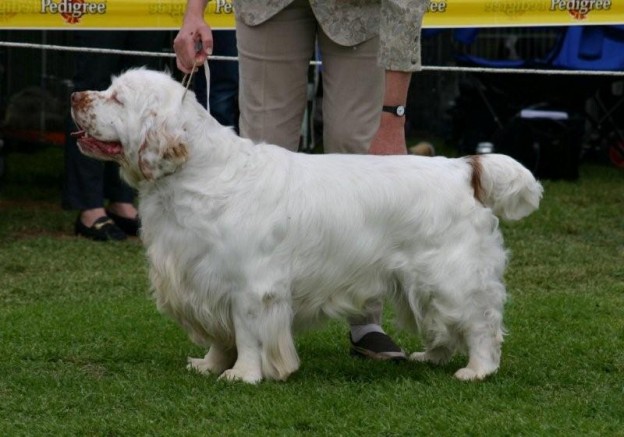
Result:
pixel 399 111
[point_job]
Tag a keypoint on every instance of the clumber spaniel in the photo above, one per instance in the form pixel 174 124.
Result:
pixel 248 242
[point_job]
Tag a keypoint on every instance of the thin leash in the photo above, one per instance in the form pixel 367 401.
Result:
pixel 188 78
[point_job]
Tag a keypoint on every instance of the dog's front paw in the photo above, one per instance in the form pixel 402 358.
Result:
pixel 238 375
pixel 468 374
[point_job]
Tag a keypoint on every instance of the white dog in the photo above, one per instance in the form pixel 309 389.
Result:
pixel 248 242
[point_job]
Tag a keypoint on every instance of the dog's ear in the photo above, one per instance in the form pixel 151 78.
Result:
pixel 162 151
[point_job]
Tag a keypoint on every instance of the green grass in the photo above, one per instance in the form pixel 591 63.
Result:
pixel 83 350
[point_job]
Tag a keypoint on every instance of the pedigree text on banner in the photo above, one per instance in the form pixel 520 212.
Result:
pixel 168 14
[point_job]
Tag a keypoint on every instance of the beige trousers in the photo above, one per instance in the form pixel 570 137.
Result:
pixel 274 63
pixel 274 60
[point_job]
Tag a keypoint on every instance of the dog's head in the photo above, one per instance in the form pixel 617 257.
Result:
pixel 135 122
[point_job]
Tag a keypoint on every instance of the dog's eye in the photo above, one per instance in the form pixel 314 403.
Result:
pixel 115 98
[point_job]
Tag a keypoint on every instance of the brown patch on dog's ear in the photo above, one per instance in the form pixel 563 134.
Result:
pixel 176 153
pixel 475 179
pixel 163 148
pixel 155 162
pixel 144 167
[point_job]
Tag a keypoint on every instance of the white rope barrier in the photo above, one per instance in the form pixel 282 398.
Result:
pixel 53 47
pixel 548 72
pixel 438 68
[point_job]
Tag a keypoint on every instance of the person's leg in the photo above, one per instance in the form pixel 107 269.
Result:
pixel 273 62
pixel 224 80
pixel 223 98
pixel 353 87
pixel 82 187
pixel 84 177
pixel 94 70
pixel 199 87
pixel 146 41
pixel 116 190
pixel 83 190
pixel 120 195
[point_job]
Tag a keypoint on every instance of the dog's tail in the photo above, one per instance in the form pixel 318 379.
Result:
pixel 504 185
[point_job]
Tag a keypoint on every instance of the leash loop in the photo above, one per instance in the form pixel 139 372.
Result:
pixel 188 77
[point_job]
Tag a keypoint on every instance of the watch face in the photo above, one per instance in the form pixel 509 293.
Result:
pixel 400 110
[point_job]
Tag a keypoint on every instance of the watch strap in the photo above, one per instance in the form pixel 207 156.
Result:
pixel 399 110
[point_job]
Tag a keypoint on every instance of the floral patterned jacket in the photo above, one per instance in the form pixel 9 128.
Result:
pixel 350 22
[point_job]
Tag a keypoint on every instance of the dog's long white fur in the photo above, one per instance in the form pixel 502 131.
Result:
pixel 249 242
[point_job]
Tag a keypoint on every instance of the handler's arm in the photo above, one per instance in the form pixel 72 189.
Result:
pixel 399 54
pixel 194 30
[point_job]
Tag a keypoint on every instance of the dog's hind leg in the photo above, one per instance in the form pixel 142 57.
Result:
pixel 436 355
pixel 484 341
pixel 418 315
pixel 440 340
pixel 217 360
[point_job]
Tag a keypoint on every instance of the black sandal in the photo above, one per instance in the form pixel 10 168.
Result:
pixel 103 229
pixel 128 225
pixel 377 346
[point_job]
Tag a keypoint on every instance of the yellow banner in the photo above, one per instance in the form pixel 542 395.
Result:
pixel 107 14
pixel 167 14
pixel 511 13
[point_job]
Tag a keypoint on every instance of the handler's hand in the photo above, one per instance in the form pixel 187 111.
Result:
pixel 390 137
pixel 194 33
